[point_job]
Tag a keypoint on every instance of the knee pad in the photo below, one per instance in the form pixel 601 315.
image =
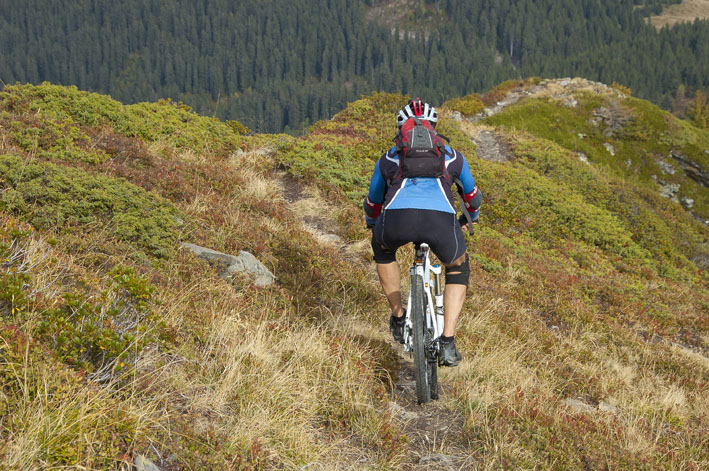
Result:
pixel 461 274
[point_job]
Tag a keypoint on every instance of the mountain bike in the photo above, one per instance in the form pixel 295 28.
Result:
pixel 424 323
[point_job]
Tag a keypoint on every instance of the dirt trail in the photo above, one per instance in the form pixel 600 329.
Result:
pixel 434 431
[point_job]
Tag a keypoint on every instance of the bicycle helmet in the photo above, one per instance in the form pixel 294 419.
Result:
pixel 417 108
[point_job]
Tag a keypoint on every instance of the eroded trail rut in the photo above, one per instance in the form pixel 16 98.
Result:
pixel 435 433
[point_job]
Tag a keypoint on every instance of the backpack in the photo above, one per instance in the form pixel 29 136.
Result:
pixel 421 150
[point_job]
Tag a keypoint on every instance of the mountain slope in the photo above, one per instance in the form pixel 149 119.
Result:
pixel 585 331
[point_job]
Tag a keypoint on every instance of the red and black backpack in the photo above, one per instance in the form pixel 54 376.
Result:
pixel 421 150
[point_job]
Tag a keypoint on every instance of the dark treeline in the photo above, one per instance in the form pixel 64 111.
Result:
pixel 281 64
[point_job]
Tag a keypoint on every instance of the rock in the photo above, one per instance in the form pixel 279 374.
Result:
pixel 581 135
pixel 606 407
pixel 583 157
pixel 141 463
pixel 491 148
pixel 230 264
pixel 669 190
pixel 258 152
pixel 570 103
pixel 667 167
pixel 628 163
pixel 692 169
pixel 688 203
pixel 609 148
pixel 578 405
pixel 438 458
pixel 397 411
pixel 457 116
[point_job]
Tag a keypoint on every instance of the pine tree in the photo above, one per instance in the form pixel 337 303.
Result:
pixel 699 110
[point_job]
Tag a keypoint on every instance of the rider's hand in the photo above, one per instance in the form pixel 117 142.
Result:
pixel 370 222
pixel 465 225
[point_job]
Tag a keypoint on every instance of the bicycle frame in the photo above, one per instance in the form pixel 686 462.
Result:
pixel 430 274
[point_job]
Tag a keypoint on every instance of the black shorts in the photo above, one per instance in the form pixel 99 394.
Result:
pixel 397 227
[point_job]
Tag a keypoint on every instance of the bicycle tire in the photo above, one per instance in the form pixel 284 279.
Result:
pixel 418 321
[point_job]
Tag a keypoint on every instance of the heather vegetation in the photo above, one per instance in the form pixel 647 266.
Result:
pixel 585 332
pixel 630 137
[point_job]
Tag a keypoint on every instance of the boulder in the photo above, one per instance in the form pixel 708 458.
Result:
pixel 578 405
pixel 583 157
pixel 607 407
pixel 688 203
pixel 670 190
pixel 667 167
pixel 141 463
pixel 228 265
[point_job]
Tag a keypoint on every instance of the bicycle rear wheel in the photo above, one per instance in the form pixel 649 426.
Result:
pixel 421 363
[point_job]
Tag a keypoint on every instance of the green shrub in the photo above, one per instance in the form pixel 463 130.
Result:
pixel 468 105
pixel 340 153
pixel 58 198
pixel 72 109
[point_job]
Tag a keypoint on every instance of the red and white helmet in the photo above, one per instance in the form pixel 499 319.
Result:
pixel 419 109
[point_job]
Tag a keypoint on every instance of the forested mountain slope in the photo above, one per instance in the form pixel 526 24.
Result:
pixel 585 331
pixel 281 64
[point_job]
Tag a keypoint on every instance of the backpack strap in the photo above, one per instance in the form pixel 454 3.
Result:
pixel 458 194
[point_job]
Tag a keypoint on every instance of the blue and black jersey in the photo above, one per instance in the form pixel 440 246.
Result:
pixel 388 189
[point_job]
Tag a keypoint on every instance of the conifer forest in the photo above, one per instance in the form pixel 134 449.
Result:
pixel 280 65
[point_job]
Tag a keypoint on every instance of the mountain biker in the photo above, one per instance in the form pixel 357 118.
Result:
pixel 402 210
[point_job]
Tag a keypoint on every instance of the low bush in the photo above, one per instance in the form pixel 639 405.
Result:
pixel 467 106
pixel 53 197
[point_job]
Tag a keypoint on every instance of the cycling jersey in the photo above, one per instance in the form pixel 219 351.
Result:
pixel 388 189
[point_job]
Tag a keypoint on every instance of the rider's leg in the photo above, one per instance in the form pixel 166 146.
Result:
pixel 457 273
pixel 390 278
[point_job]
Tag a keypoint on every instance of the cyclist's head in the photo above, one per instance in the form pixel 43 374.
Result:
pixel 416 107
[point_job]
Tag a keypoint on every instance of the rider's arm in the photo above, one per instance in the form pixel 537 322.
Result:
pixel 471 194
pixel 375 198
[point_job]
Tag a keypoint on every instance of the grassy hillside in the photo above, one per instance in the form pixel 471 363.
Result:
pixel 585 332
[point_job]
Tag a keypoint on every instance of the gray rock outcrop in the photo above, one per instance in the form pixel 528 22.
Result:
pixel 692 169
pixel 666 167
pixel 228 265
pixel 141 463
pixel 670 190
pixel 578 405
pixel 688 203
pixel 491 147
